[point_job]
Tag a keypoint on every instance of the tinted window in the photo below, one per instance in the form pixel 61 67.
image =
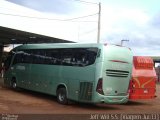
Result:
pixel 27 57
pixel 37 56
pixel 18 57
pixel 67 56
pixel 53 57
pixel 79 56
pixel 22 56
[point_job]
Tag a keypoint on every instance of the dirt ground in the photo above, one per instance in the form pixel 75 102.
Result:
pixel 28 102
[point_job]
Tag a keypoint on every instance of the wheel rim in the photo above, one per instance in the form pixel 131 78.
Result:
pixel 61 97
pixel 14 85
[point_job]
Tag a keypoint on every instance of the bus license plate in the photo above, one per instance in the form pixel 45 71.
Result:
pixel 115 99
pixel 146 91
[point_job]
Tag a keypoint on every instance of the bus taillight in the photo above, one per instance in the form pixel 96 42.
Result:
pixel 99 88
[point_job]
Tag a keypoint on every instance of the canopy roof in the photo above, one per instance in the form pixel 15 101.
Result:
pixel 13 36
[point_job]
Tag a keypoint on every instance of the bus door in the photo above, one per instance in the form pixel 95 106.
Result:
pixel 21 69
pixel 7 69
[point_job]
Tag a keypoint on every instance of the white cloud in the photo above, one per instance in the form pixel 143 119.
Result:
pixel 52 28
pixel 117 23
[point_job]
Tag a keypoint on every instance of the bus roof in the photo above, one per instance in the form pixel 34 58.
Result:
pixel 56 45
pixel 61 45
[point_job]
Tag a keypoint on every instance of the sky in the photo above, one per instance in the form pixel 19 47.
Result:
pixel 135 20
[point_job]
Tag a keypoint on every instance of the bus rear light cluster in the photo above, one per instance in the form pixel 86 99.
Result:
pixel 99 88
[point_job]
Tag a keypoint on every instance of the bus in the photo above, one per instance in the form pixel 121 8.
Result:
pixel 89 73
pixel 143 82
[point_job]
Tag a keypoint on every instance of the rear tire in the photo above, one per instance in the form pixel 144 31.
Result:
pixel 62 96
pixel 14 84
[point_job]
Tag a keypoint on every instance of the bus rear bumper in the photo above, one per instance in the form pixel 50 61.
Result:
pixel 112 99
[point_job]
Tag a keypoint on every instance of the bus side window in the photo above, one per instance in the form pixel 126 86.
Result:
pixel 27 56
pixel 79 57
pixel 19 58
pixel 38 56
pixel 53 57
pixel 84 56
pixel 91 55
pixel 67 57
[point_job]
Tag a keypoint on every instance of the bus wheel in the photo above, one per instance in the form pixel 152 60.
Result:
pixel 14 84
pixel 62 96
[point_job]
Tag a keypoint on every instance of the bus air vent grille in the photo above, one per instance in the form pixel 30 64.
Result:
pixel 117 73
pixel 85 91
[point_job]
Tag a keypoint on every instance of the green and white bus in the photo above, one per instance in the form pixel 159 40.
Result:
pixel 91 73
